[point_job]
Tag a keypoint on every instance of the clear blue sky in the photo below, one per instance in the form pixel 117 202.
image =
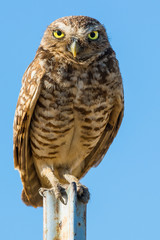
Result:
pixel 125 187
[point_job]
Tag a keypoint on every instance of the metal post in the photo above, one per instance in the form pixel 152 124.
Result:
pixel 64 222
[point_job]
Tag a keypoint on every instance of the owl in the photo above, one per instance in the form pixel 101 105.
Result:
pixel 69 109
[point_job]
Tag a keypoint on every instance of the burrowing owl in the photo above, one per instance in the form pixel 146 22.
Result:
pixel 69 110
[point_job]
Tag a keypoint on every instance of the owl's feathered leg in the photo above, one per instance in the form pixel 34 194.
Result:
pixel 52 184
pixel 82 191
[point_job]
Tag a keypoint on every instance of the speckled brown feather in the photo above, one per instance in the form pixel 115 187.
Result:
pixel 69 109
pixel 31 85
pixel 96 156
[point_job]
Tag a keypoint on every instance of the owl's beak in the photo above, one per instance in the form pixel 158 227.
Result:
pixel 74 48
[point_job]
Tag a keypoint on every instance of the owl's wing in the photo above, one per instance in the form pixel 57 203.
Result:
pixel 109 133
pixel 29 93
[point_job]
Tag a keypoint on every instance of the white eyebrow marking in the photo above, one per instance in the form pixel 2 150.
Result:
pixel 63 27
pixel 69 30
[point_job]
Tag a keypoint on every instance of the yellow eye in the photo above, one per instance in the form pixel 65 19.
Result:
pixel 93 35
pixel 58 34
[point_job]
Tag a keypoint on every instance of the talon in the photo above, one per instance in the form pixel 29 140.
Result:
pixel 42 190
pixel 64 199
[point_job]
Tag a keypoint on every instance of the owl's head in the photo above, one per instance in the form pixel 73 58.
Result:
pixel 76 38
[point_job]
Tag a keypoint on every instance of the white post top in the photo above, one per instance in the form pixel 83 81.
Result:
pixel 64 222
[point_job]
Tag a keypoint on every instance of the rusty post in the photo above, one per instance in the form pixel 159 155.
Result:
pixel 64 222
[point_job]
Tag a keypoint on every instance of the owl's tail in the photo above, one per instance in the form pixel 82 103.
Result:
pixel 25 199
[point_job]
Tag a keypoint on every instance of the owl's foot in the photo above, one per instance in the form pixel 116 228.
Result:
pixel 58 191
pixel 83 193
